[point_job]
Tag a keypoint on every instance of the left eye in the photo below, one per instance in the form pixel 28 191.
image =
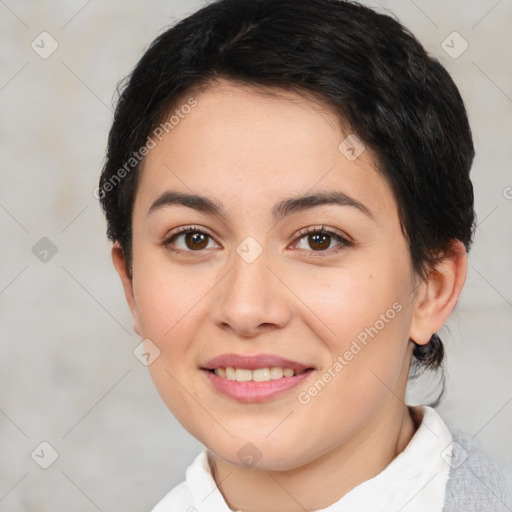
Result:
pixel 319 240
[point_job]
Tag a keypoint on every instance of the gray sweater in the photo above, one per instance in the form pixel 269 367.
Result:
pixel 476 484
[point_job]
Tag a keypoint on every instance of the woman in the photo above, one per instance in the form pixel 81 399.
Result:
pixel 287 189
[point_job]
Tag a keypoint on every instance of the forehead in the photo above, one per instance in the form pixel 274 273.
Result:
pixel 245 146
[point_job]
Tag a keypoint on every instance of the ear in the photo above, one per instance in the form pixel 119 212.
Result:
pixel 439 293
pixel 120 264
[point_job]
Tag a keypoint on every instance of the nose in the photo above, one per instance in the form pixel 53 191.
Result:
pixel 251 299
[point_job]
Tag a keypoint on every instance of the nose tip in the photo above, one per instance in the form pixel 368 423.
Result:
pixel 251 300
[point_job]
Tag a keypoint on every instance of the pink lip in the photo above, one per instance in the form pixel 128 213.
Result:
pixel 251 391
pixel 252 362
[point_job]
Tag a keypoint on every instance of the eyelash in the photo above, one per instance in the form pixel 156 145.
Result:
pixel 343 242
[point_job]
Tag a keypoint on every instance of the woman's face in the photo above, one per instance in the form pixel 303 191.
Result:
pixel 256 283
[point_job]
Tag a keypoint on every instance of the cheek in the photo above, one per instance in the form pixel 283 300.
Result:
pixel 167 296
pixel 349 300
pixel 366 312
pixel 169 310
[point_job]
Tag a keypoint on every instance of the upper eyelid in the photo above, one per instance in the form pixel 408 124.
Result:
pixel 322 229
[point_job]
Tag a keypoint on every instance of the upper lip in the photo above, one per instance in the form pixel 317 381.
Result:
pixel 252 362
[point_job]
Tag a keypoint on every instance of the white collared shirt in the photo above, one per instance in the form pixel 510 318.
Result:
pixel 414 481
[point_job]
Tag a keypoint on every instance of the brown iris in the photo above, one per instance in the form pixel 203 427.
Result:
pixel 318 241
pixel 196 241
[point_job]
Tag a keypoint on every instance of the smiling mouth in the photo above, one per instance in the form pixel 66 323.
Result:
pixel 257 384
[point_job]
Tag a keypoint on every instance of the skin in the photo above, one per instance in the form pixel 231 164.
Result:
pixel 248 151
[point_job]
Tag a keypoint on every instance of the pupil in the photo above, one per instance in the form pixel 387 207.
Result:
pixel 318 239
pixel 197 240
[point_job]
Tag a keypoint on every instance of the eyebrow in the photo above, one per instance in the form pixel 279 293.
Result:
pixel 279 210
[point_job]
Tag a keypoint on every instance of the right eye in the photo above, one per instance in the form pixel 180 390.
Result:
pixel 187 239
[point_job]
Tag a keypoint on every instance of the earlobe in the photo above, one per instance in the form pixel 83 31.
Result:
pixel 120 263
pixel 439 294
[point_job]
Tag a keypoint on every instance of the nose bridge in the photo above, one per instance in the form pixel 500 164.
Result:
pixel 251 296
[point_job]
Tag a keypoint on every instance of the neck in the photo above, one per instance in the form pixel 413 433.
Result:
pixel 331 476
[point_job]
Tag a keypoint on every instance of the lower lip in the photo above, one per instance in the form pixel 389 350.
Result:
pixel 250 391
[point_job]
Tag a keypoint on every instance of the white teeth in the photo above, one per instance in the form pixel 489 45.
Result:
pixel 258 375
pixel 276 372
pixel 242 375
pixel 261 375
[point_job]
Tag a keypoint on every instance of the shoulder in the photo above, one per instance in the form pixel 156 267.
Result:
pixel 181 497
pixel 190 494
pixel 476 483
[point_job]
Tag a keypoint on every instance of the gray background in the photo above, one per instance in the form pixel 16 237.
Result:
pixel 68 375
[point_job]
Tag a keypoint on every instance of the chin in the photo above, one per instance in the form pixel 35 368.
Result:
pixel 261 455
